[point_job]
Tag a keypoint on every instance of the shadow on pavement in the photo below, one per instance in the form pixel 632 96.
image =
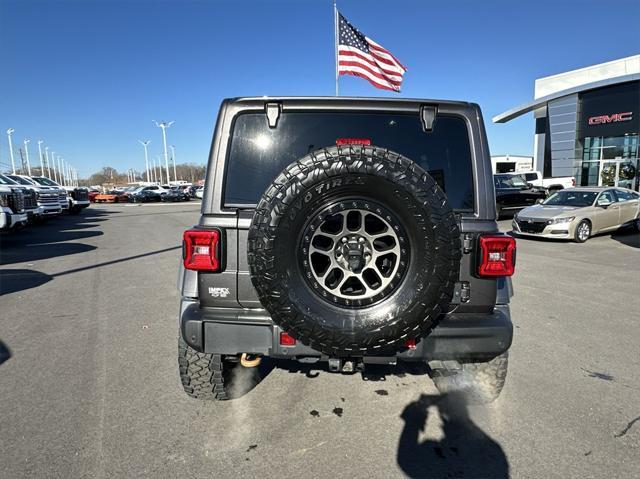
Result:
pixel 14 280
pixel 5 353
pixel 33 250
pixel 628 238
pixel 115 261
pixel 464 450
pixel 50 240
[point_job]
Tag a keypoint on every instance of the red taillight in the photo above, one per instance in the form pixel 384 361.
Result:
pixel 411 343
pixel 287 340
pixel 353 141
pixel 497 255
pixel 573 182
pixel 201 250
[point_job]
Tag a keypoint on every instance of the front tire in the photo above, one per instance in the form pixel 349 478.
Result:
pixel 480 383
pixel 212 378
pixel 583 231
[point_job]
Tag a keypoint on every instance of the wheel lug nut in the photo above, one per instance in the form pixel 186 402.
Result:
pixel 361 240
pixel 344 240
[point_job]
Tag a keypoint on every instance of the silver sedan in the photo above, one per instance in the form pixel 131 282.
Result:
pixel 578 213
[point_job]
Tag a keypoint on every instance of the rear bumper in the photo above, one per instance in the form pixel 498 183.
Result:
pixel 235 331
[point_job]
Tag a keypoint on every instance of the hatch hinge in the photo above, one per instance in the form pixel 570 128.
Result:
pixel 467 243
pixel 461 293
pixel 427 116
pixel 273 113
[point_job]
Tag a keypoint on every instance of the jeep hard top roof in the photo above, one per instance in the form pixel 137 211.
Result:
pixel 320 100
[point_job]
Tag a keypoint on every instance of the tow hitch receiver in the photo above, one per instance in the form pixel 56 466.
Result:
pixel 337 365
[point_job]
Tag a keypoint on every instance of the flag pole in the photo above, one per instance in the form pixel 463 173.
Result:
pixel 335 35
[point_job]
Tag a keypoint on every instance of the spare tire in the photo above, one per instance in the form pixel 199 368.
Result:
pixel 354 250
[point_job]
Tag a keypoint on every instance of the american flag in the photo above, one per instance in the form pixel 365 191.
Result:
pixel 360 56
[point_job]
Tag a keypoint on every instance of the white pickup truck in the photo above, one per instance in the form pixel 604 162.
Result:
pixel 551 184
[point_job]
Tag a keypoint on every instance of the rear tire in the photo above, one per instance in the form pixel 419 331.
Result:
pixel 210 377
pixel 480 383
pixel 583 232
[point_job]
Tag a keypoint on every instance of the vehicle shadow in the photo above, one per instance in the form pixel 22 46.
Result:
pixel 34 250
pixel 627 237
pixel 464 450
pixel 52 239
pixel 14 280
pixel 5 352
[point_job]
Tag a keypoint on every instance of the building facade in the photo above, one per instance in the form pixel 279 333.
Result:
pixel 588 124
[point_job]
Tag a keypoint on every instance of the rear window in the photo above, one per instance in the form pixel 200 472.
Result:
pixel 258 153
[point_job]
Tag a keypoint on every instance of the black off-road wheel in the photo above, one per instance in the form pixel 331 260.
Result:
pixel 212 376
pixel 479 383
pixel 353 250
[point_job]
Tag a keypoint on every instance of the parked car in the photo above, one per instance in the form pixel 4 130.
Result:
pixel 192 190
pixel 513 193
pixel 32 208
pixel 176 194
pixel 113 196
pixel 76 198
pixel 47 196
pixel 551 185
pixel 340 231
pixel 93 194
pixel 199 193
pixel 145 196
pixel 12 212
pixel 578 213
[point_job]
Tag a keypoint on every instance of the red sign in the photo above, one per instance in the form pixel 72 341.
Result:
pixel 616 117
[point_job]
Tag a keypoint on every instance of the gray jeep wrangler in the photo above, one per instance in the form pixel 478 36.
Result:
pixel 346 232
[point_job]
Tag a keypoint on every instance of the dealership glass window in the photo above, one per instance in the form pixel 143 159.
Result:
pixel 611 161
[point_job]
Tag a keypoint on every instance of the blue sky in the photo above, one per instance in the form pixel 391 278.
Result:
pixel 89 76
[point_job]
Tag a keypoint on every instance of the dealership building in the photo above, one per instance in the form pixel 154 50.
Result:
pixel 588 124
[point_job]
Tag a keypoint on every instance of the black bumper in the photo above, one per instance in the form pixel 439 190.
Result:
pixel 235 331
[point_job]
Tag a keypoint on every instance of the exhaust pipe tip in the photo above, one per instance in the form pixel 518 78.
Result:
pixel 249 361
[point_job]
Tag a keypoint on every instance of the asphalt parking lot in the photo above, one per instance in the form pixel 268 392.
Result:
pixel 89 384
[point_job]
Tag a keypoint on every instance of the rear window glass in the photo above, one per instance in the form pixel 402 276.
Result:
pixel 258 153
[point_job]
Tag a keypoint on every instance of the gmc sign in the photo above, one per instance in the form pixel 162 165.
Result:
pixel 614 118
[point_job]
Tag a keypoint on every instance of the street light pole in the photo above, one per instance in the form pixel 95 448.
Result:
pixel 13 162
pixel 145 143
pixel 173 157
pixel 46 154
pixel 59 169
pixel 63 174
pixel 41 160
pixel 160 168
pixel 164 125
pixel 53 161
pixel 26 151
